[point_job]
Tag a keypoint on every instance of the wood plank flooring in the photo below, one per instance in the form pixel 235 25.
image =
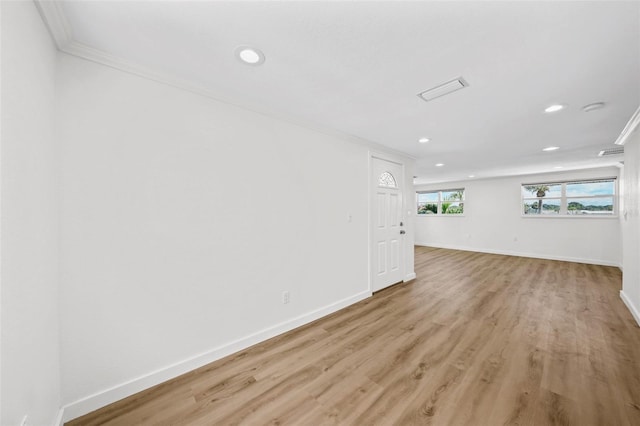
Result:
pixel 477 339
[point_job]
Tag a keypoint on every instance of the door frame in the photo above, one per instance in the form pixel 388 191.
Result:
pixel 371 187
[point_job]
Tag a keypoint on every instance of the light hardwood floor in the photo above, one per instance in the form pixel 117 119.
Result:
pixel 477 339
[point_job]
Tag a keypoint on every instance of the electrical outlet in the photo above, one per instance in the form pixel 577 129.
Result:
pixel 285 297
pixel 24 421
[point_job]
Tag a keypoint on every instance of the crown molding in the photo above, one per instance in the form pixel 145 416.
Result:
pixel 56 22
pixel 631 126
pixel 85 52
pixel 60 29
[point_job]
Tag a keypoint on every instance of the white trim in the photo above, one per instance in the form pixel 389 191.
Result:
pixel 634 311
pixel 107 396
pixel 565 199
pixel 409 277
pixel 439 215
pixel 58 420
pixel 85 52
pixel 632 125
pixel 440 202
pixel 369 221
pixel 390 158
pixel 91 54
pixel 404 190
pixel 61 32
pixel 521 254
pixel 570 216
pixel 56 22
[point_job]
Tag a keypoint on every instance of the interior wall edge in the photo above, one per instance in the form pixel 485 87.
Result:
pixel 59 420
pixel 633 309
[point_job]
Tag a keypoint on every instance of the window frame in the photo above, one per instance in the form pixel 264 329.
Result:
pixel 440 201
pixel 390 183
pixel 565 200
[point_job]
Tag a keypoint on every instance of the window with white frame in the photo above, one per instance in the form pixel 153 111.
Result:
pixel 594 197
pixel 386 180
pixel 442 202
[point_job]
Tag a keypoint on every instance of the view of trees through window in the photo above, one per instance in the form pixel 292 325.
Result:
pixel 445 202
pixel 588 197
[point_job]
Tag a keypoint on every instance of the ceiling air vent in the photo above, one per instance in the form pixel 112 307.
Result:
pixel 443 89
pixel 619 150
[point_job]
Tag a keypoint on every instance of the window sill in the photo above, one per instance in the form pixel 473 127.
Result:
pixel 566 216
pixel 439 215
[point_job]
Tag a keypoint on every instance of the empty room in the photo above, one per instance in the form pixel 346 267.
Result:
pixel 319 212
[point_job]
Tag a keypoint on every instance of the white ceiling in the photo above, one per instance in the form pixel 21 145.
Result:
pixel 356 67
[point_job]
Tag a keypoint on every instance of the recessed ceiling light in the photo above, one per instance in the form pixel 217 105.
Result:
pixel 250 55
pixel 554 108
pixel 592 107
pixel 557 167
pixel 424 140
pixel 551 148
pixel 439 164
pixel 472 176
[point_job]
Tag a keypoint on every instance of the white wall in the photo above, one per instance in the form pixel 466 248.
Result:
pixel 631 225
pixel 29 295
pixel 486 228
pixel 182 222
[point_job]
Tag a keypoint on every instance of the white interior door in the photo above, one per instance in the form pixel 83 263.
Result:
pixel 388 231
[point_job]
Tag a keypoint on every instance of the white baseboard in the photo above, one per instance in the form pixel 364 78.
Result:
pixel 634 311
pixel 123 390
pixel 58 421
pixel 523 254
pixel 409 277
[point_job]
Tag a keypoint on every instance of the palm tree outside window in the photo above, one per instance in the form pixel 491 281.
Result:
pixel 595 197
pixel 441 202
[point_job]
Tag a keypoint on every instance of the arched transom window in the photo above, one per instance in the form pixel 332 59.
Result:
pixel 386 180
